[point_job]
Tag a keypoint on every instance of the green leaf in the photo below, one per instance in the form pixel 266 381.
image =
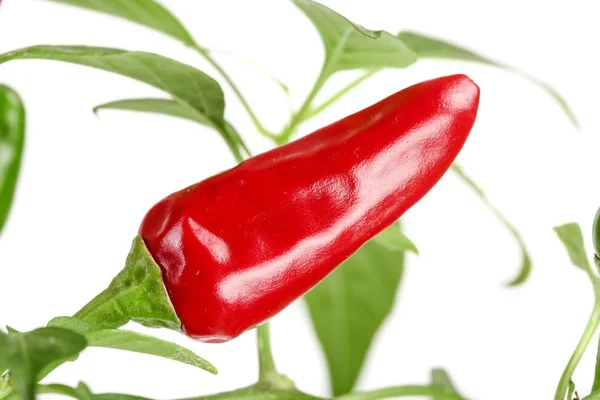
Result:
pixel 349 306
pixel 12 138
pixel 350 46
pixel 593 396
pixel 429 47
pixel 26 354
pixel 157 106
pixel 441 380
pixel 572 238
pixel 82 392
pixel 98 336
pixel 187 84
pixel 394 240
pixel 256 392
pixel 144 12
pixel 190 87
pixel 525 268
pixel 176 109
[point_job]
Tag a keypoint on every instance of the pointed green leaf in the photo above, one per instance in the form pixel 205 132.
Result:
pixel 572 238
pixel 186 83
pixel 349 306
pixel 441 380
pixel 148 13
pixel 350 46
pixel 525 269
pixel 98 336
pixel 26 354
pixel 176 109
pixel 429 47
pixel 12 138
pixel 157 106
pixel 190 87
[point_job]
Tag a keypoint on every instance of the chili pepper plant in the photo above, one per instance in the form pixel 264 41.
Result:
pixel 225 255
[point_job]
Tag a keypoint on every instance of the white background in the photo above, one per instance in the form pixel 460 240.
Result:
pixel 87 182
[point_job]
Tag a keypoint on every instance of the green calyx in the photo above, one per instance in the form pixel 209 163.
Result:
pixel 136 294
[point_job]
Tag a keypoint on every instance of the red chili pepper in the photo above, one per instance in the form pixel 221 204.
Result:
pixel 237 248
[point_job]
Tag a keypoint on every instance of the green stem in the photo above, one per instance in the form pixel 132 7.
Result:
pixel 586 338
pixel 276 80
pixel 259 126
pixel 526 263
pixel 345 90
pixel 401 391
pixel 265 355
pixel 304 110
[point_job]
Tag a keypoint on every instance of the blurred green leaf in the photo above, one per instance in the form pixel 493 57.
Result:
pixel 82 392
pixel 429 47
pixel 26 354
pixel 12 138
pixel 144 12
pixel 349 306
pixel 441 380
pixel 98 336
pixel 256 392
pixel 593 396
pixel 572 238
pixel 350 46
pixel 525 268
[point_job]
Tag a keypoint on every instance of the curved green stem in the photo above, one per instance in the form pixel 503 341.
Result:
pixel 259 126
pixel 585 340
pixel 345 90
pixel 401 391
pixel 525 269
pixel 271 76
pixel 586 337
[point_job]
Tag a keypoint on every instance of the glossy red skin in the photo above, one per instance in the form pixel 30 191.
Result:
pixel 237 248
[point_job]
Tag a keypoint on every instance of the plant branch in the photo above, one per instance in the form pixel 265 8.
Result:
pixel 302 114
pixel 401 391
pixel 586 337
pixel 271 76
pixel 259 126
pixel 345 90
pixel 265 356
